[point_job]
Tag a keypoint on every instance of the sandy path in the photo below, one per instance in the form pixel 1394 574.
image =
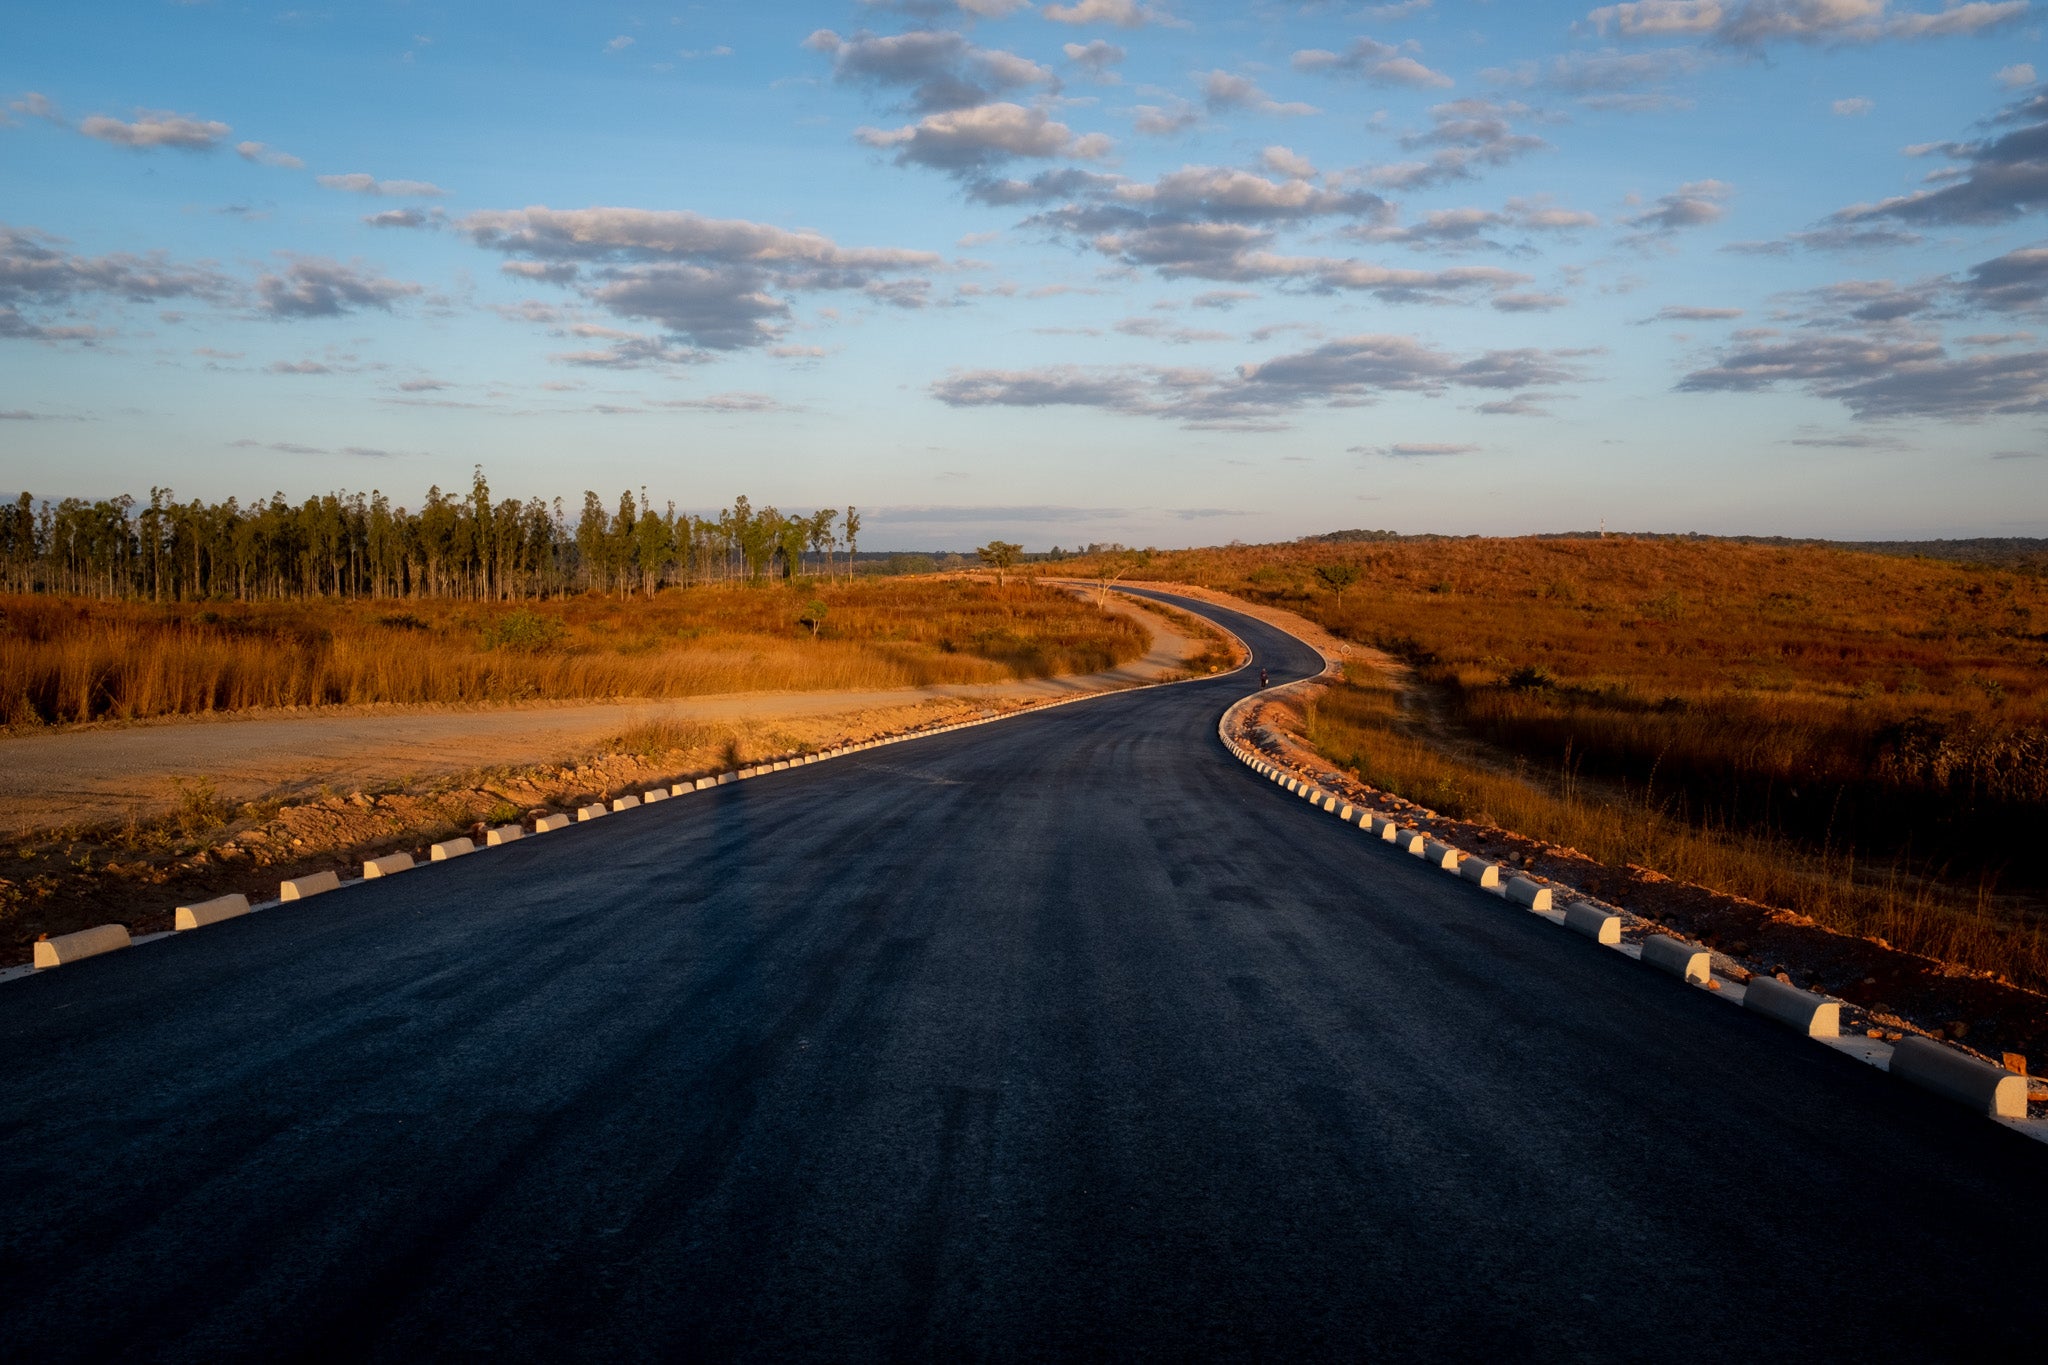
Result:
pixel 97 774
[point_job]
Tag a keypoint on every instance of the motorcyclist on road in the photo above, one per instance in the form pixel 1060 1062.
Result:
pixel 1262 677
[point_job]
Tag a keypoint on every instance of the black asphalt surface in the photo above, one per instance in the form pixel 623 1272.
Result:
pixel 1067 1036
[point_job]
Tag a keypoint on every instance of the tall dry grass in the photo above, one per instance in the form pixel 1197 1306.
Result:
pixel 1361 726
pixel 1833 700
pixel 65 660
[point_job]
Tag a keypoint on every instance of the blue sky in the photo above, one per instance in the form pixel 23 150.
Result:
pixel 1167 273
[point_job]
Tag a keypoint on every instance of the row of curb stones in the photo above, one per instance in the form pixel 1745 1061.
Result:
pixel 1988 1089
pixel 64 949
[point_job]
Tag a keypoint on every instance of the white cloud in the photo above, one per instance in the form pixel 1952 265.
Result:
pixel 713 281
pixel 264 155
pixel 941 68
pixel 1694 204
pixel 1222 90
pixel 968 140
pixel 1283 161
pixel 1096 57
pixel 36 105
pixel 361 182
pixel 315 286
pixel 1755 23
pixel 1374 62
pixel 1121 13
pixel 1852 107
pixel 157 128
pixel 2014 76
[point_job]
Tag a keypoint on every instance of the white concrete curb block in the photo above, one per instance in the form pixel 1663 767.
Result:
pixel 1480 871
pixel 209 912
pixel 1990 1090
pixel 626 803
pixel 1595 923
pixel 1681 960
pixel 1410 841
pixel 593 811
pixel 1440 855
pixel 547 824
pixel 504 834
pixel 317 884
pixel 450 848
pixel 103 938
pixel 650 797
pixel 1812 1015
pixel 1528 894
pixel 390 865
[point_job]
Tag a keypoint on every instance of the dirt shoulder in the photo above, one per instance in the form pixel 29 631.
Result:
pixel 122 823
pixel 94 775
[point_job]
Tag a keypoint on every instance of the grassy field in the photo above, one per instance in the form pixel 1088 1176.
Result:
pixel 70 660
pixel 1858 737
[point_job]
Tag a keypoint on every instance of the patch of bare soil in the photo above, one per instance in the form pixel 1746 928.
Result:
pixel 381 782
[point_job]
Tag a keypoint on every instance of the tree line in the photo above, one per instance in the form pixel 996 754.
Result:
pixel 361 545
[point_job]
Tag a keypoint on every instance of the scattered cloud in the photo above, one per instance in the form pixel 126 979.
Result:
pixel 1222 91
pixel 711 281
pixel 2016 76
pixel 1630 82
pixel 1158 330
pixel 1282 161
pixel 296 448
pixel 1754 24
pixel 37 273
pixel 619 44
pixel 1121 13
pixel 34 104
pixel 1682 313
pixel 1097 59
pixel 157 128
pixel 1881 375
pixel 2001 177
pixel 1469 229
pixel 1853 107
pixel 406 218
pixel 1693 204
pixel 1521 405
pixel 1165 120
pixel 317 287
pixel 265 155
pixel 1373 62
pixel 940 68
pixel 360 182
pixel 1411 450
pixel 1351 372
pixel 1464 134
pixel 2016 282
pixel 735 401
pixel 970 141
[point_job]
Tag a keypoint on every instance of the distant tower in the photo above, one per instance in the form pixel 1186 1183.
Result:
pixel 1603 528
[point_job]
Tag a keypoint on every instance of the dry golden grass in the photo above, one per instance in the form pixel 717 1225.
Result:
pixel 68 660
pixel 1360 726
pixel 1859 737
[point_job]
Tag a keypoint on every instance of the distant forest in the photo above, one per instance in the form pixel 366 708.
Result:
pixel 2005 552
pixel 360 545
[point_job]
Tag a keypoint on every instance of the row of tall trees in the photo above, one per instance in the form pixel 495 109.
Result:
pixel 361 545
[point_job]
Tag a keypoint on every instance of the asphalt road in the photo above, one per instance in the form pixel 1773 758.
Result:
pixel 1065 1036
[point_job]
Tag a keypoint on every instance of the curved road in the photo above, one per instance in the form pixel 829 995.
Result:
pixel 1056 1037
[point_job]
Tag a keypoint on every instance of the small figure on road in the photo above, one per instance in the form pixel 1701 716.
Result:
pixel 1262 677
